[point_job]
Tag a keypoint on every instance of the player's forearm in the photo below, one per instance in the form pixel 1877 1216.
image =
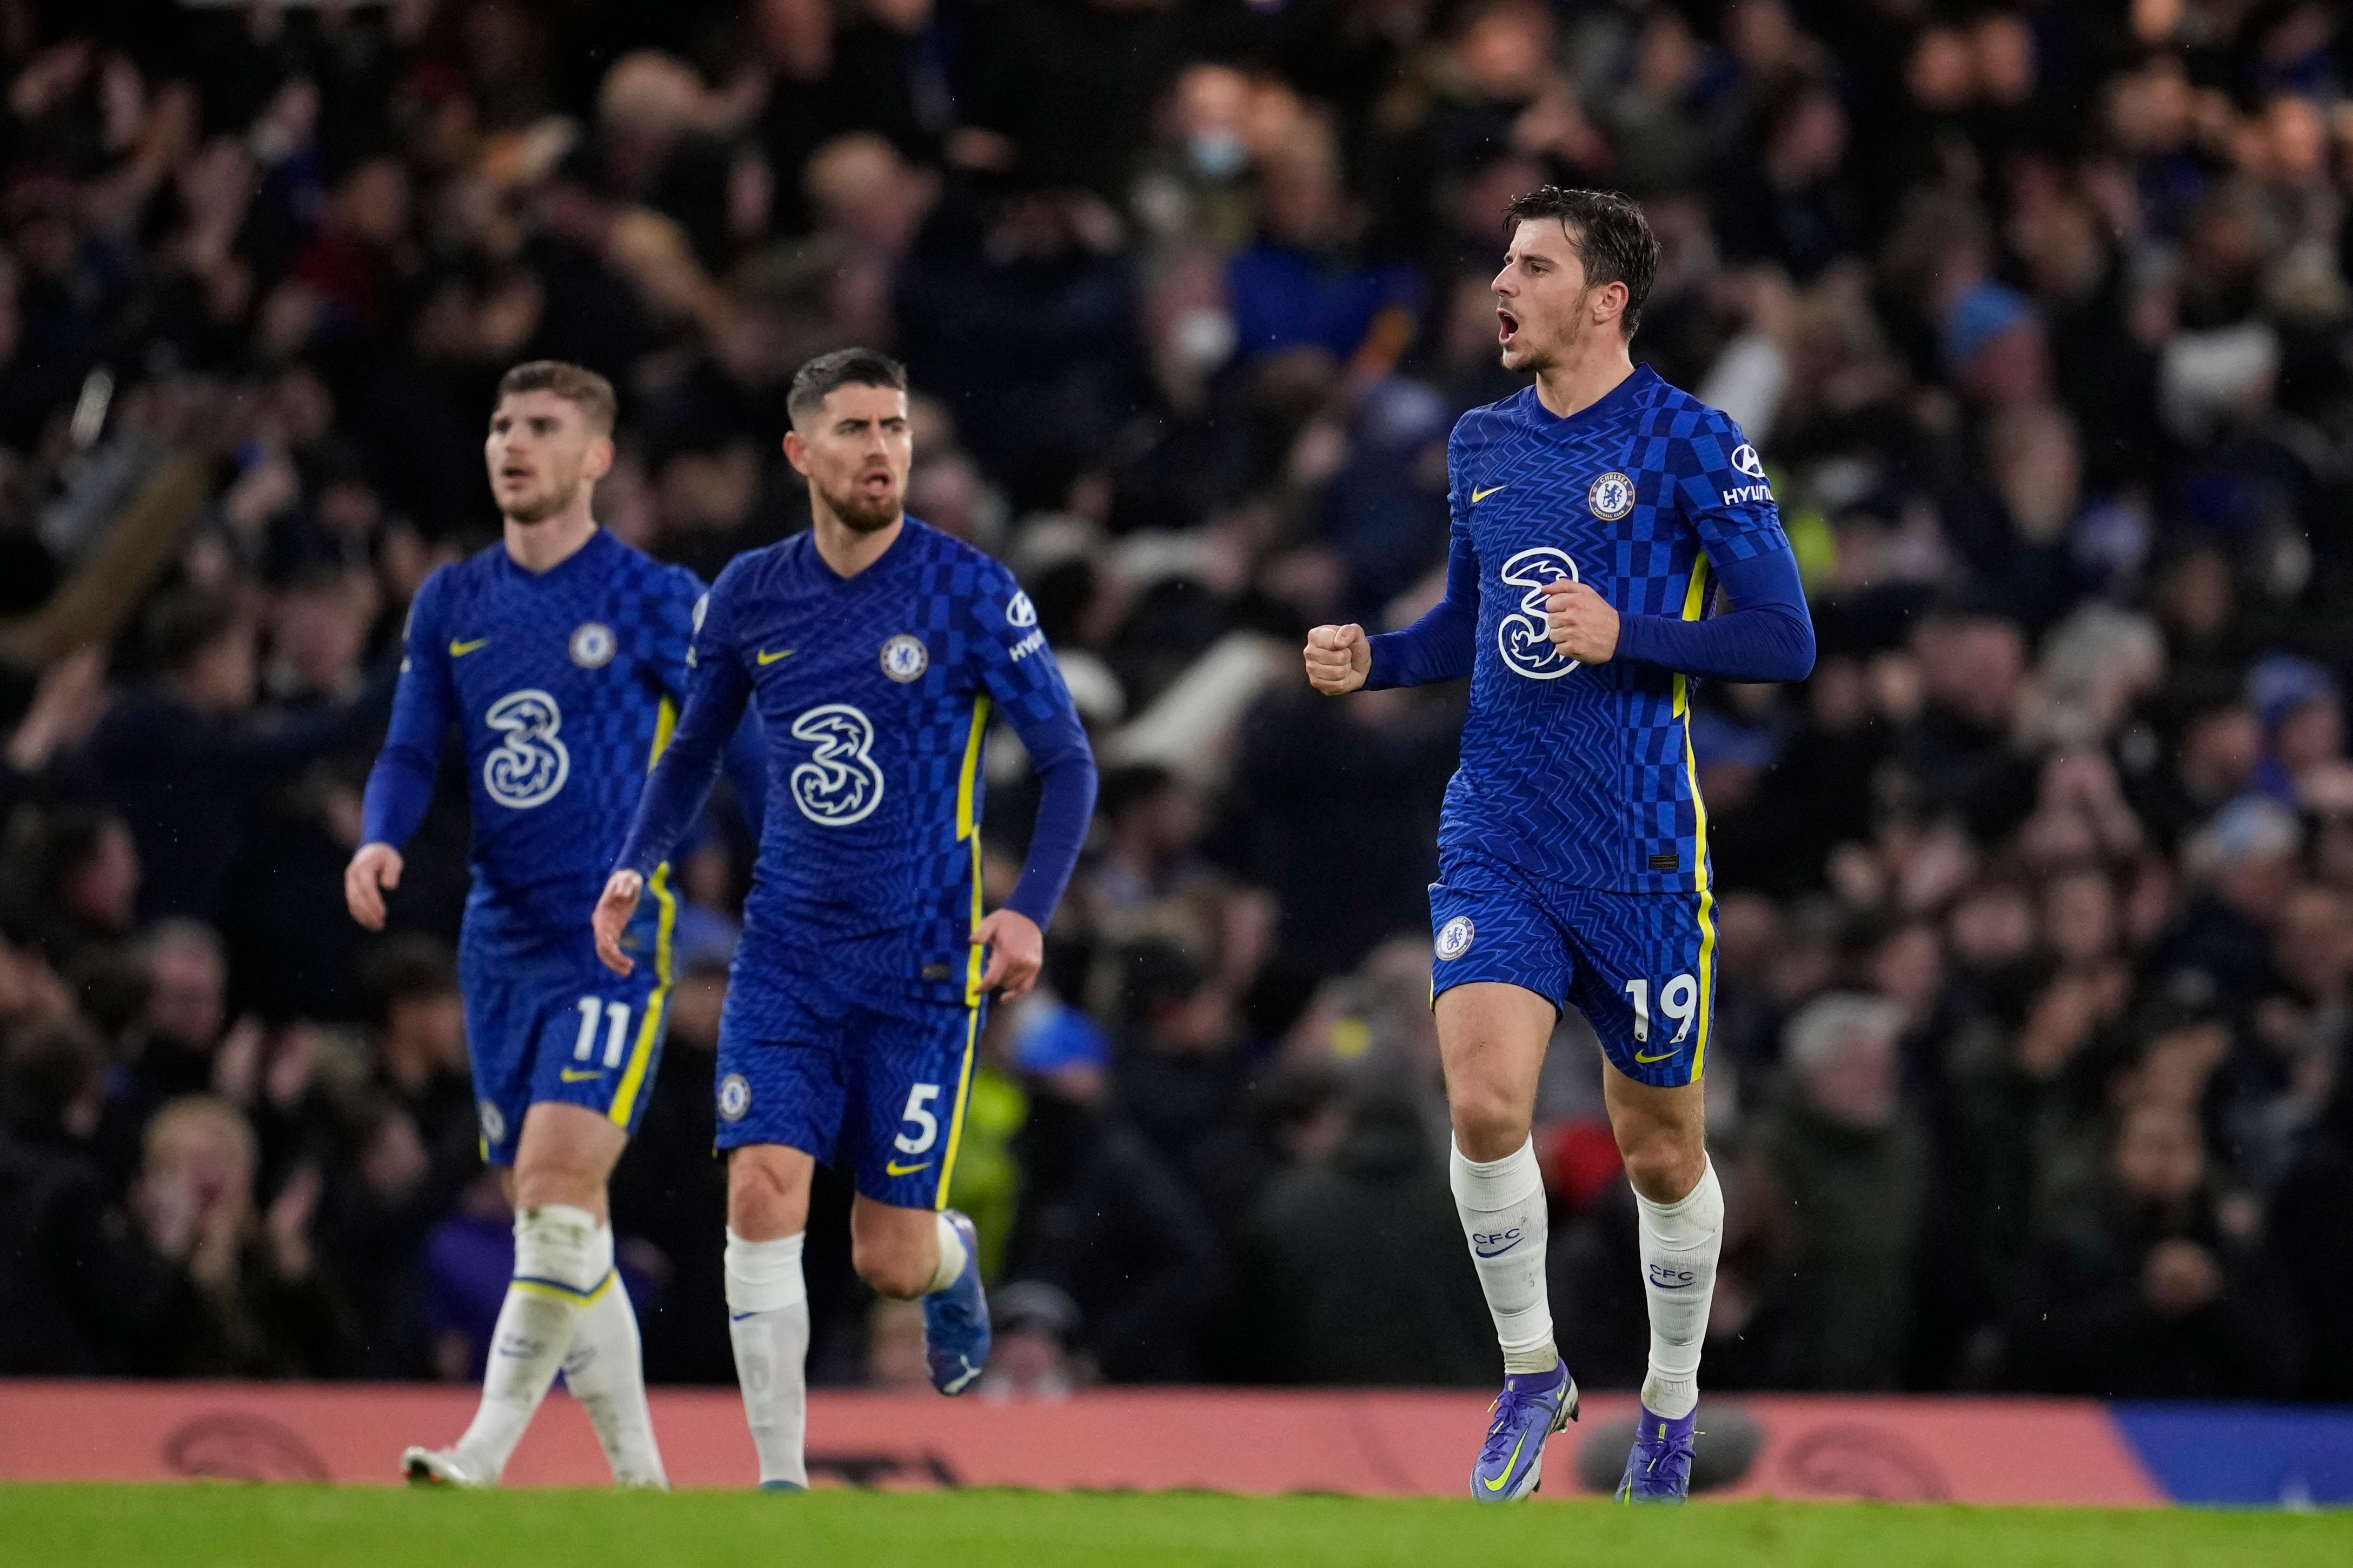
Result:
pixel 399 792
pixel 746 763
pixel 1066 804
pixel 681 780
pixel 1439 646
pixel 673 798
pixel 1767 635
pixel 400 785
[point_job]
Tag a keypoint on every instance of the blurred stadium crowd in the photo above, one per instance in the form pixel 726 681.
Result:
pixel 2036 899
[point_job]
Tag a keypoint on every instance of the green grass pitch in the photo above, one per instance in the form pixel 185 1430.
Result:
pixel 302 1527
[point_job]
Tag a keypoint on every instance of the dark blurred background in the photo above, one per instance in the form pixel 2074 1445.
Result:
pixel 2036 899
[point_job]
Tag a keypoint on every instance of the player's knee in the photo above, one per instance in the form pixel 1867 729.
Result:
pixel 767 1197
pixel 1489 1123
pixel 1664 1162
pixel 890 1265
pixel 545 1180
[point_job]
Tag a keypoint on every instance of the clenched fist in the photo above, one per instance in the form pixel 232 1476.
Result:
pixel 1338 658
pixel 1580 621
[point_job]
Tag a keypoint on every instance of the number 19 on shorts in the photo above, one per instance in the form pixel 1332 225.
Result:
pixel 1678 999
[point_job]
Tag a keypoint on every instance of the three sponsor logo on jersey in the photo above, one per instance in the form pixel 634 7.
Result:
pixel 1522 637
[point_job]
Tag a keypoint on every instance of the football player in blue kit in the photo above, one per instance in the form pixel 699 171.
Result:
pixel 875 650
pixel 560 655
pixel 1595 513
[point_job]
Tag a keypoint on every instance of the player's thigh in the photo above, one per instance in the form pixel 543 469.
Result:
pixel 596 1042
pixel 1500 967
pixel 1490 1040
pixel 1645 979
pixel 910 1080
pixel 499 1018
pixel 1662 1133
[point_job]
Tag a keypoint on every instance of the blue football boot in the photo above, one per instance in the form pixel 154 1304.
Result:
pixel 955 1320
pixel 1659 1469
pixel 1532 1407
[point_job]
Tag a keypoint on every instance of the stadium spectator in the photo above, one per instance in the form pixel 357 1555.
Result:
pixel 2154 1291
pixel 82 1296
pixel 264 1307
pixel 1839 1175
pixel 1346 1277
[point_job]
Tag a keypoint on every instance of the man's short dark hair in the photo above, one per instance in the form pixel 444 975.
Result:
pixel 815 380
pixel 574 384
pixel 1611 237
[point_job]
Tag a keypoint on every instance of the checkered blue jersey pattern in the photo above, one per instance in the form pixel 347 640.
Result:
pixel 564 685
pixel 875 694
pixel 1582 775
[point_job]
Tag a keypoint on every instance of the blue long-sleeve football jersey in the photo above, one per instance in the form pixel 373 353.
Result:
pixel 1582 774
pixel 565 685
pixel 875 694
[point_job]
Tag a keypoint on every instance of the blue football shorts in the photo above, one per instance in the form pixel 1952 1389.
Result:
pixel 1641 967
pixel 566 1030
pixel 803 1063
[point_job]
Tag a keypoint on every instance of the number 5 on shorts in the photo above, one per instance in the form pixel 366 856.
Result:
pixel 927 1126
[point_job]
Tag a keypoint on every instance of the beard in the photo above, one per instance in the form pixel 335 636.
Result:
pixel 538 508
pixel 862 513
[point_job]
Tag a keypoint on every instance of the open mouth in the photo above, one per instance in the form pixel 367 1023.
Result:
pixel 1509 326
pixel 876 484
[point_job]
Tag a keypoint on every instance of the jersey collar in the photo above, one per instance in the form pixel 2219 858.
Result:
pixel 908 527
pixel 597 545
pixel 1624 396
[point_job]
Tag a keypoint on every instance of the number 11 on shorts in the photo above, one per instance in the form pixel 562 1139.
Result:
pixel 614 1016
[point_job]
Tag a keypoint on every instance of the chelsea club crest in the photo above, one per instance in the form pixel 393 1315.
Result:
pixel 1611 497
pixel 1455 937
pixel 592 645
pixel 904 658
pixel 734 1097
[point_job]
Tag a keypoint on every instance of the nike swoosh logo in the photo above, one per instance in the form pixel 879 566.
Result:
pixel 767 658
pixel 461 649
pixel 896 1169
pixel 1662 1055
pixel 1478 496
pixel 575 1075
pixel 1500 1481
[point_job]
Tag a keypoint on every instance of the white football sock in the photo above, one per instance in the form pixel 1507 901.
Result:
pixel 606 1371
pixel 952 1258
pixel 768 1319
pixel 1501 1203
pixel 1679 1244
pixel 557 1264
